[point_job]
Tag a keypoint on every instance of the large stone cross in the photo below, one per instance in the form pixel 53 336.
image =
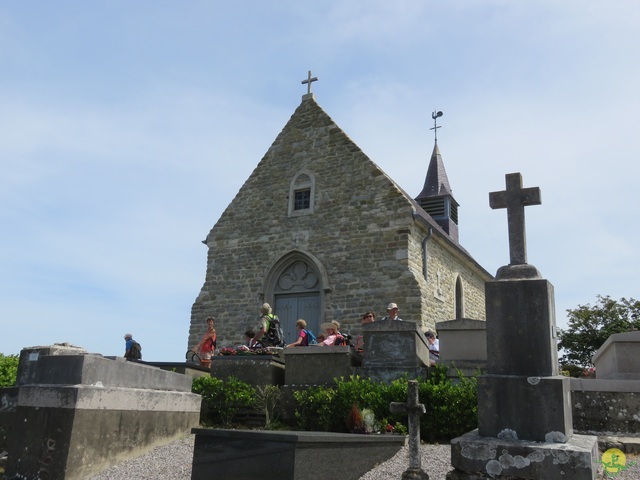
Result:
pixel 309 81
pixel 514 199
pixel 414 410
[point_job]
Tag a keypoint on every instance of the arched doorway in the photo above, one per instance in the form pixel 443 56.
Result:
pixel 296 285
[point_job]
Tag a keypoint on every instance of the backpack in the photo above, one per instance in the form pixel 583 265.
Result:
pixel 311 338
pixel 340 341
pixel 136 351
pixel 274 335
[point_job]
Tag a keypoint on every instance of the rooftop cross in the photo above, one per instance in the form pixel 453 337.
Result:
pixel 414 410
pixel 308 81
pixel 514 199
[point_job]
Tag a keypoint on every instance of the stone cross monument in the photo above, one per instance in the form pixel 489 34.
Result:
pixel 414 410
pixel 525 426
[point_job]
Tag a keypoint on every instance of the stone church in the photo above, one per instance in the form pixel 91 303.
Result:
pixel 321 233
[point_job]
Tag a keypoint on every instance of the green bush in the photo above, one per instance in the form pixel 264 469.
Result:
pixel 315 410
pixel 224 399
pixel 8 370
pixel 451 407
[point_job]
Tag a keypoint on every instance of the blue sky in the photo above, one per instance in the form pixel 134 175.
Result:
pixel 126 128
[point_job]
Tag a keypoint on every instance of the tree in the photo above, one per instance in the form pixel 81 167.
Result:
pixel 8 370
pixel 589 327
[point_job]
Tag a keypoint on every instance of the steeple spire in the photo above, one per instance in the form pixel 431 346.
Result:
pixel 436 197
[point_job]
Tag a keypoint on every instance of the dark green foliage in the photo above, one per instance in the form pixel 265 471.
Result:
pixel 224 399
pixel 590 326
pixel 8 370
pixel 315 410
pixel 451 406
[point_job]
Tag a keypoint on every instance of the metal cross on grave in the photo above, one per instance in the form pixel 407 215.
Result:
pixel 514 199
pixel 309 81
pixel 414 410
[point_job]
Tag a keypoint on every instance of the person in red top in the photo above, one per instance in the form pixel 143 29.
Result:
pixel 303 338
pixel 206 348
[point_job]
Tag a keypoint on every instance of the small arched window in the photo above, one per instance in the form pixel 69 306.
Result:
pixel 302 194
pixel 459 299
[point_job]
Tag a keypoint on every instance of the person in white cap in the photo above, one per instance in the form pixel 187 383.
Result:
pixel 392 312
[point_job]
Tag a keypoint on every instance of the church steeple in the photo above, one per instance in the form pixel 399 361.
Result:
pixel 436 198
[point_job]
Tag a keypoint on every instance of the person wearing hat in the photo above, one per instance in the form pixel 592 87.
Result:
pixel 434 347
pixel 265 311
pixel 330 334
pixel 392 312
pixel 128 343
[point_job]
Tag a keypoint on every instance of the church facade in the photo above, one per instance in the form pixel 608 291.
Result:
pixel 321 233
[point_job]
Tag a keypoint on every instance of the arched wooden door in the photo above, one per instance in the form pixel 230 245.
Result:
pixel 296 286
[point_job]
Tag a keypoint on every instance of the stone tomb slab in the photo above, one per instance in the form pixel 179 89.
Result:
pixel 252 369
pixel 317 365
pixel 393 344
pixel 87 413
pixel 250 455
pixel 619 357
pixel 472 455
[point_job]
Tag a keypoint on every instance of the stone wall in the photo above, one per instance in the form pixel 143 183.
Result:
pixel 362 231
pixel 606 406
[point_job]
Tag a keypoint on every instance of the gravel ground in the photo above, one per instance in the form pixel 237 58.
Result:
pixel 173 462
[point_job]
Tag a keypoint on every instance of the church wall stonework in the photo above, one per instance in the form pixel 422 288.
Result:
pixel 362 231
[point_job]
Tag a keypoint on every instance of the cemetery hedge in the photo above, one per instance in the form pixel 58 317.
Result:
pixel 451 406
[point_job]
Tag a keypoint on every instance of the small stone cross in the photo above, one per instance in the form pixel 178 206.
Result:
pixel 514 199
pixel 414 410
pixel 309 81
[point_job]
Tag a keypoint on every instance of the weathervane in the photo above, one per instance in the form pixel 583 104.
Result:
pixel 435 127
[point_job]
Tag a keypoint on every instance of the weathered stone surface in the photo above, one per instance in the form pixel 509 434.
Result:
pixel 521 328
pixel 463 346
pixel 530 408
pixel 619 357
pixel 606 406
pixel 87 413
pixel 504 458
pixel 289 455
pixel 392 344
pixel 254 370
pixel 317 365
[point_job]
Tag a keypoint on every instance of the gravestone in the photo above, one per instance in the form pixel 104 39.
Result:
pixel 414 410
pixel 319 365
pixel 463 345
pixel 256 370
pixel 525 427
pixel 619 357
pixel 393 349
pixel 283 455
